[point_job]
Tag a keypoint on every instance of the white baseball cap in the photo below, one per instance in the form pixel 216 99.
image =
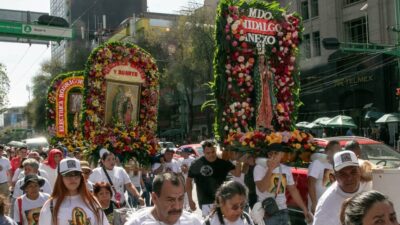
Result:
pixel 344 159
pixel 69 165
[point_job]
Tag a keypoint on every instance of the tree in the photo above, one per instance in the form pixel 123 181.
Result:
pixel 191 67
pixel 36 108
pixel 4 87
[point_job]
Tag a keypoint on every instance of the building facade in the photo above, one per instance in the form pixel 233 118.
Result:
pixel 87 20
pixel 354 81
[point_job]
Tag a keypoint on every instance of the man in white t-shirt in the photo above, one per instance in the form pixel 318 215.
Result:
pixel 27 207
pixel 185 163
pixel 5 173
pixel 167 163
pixel 168 193
pixel 348 175
pixel 273 180
pixel 320 173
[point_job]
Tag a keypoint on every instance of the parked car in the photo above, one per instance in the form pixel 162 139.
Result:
pixel 376 152
pixel 196 149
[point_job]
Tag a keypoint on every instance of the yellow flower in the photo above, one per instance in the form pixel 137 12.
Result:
pixel 297 146
pixel 244 143
pixel 143 138
pixel 252 145
pixel 279 107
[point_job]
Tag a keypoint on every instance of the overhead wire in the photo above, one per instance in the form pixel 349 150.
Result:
pixel 326 86
pixel 374 67
pixel 341 73
pixel 19 61
pixel 340 70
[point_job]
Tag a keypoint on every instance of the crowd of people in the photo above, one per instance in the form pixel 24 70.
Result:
pixel 239 189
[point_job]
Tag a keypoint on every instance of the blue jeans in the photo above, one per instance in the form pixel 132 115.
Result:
pixel 280 218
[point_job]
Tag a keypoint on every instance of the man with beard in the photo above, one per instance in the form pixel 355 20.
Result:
pixel 168 196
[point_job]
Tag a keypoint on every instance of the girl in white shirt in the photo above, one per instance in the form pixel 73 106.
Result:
pixel 230 200
pixel 71 202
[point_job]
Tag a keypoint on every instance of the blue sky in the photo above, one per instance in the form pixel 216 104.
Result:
pixel 23 61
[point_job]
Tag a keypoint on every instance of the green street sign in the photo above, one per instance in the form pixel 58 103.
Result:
pixel 32 31
pixel 27 29
pixel 10 27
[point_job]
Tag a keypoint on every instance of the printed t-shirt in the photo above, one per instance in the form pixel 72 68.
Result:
pixel 286 179
pixel 73 211
pixel 30 209
pixel 208 176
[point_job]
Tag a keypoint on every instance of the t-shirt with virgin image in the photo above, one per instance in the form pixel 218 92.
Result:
pixel 323 173
pixel 208 176
pixel 73 211
pixel 30 209
pixel 286 179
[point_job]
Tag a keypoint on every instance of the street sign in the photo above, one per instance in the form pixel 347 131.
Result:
pixel 33 31
pixel 48 31
pixel 10 27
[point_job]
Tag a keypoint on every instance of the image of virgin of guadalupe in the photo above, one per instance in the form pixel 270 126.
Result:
pixel 79 217
pixel 118 105
pixel 265 111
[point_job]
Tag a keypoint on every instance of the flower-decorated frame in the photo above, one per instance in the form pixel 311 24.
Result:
pixel 245 31
pixel 125 140
pixel 237 82
pixel 62 126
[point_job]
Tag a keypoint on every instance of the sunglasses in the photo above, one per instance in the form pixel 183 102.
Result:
pixel 239 206
pixel 72 174
pixel 87 172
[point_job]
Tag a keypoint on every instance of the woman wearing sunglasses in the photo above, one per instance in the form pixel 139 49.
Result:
pixel 71 202
pixel 230 200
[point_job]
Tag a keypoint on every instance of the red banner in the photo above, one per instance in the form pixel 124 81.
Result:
pixel 61 103
pixel 259 26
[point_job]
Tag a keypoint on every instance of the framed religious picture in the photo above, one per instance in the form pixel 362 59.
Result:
pixel 122 103
pixel 75 102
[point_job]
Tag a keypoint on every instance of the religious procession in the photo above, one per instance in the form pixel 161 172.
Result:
pixel 108 159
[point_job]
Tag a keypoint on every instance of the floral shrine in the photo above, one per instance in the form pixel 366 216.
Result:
pixel 256 80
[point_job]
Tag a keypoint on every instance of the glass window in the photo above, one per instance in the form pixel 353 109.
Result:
pixel 348 2
pixel 356 30
pixel 304 10
pixel 316 43
pixel 380 154
pixel 306 46
pixel 314 8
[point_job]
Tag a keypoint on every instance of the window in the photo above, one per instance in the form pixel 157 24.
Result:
pixel 307 46
pixel 314 8
pixel 316 43
pixel 356 30
pixel 348 2
pixel 304 10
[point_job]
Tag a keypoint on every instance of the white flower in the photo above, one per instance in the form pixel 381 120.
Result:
pixel 242 38
pixel 226 128
pixel 229 19
pixel 240 74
